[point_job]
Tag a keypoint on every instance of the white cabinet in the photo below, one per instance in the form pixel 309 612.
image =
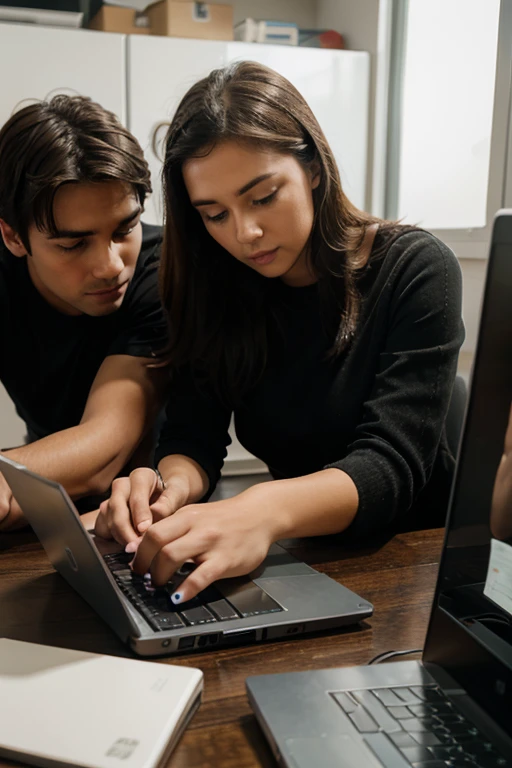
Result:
pixel 160 72
pixel 334 83
pixel 38 61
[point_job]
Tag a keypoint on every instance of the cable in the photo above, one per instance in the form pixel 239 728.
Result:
pixel 390 654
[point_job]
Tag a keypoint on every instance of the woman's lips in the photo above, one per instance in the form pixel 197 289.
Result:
pixel 263 257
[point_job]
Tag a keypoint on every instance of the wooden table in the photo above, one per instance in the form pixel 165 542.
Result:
pixel 398 577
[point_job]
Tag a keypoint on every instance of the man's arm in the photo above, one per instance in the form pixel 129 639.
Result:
pixel 122 404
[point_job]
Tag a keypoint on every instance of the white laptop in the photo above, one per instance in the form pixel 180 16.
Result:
pixel 69 708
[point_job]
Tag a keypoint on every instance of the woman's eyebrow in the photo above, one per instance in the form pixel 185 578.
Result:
pixel 250 184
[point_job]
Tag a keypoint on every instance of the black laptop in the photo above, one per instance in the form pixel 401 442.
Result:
pixel 454 708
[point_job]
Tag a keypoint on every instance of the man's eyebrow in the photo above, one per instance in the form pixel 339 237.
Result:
pixel 241 191
pixel 75 233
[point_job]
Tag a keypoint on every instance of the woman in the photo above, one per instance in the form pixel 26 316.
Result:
pixel 337 358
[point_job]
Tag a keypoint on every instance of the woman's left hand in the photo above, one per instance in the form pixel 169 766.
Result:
pixel 224 538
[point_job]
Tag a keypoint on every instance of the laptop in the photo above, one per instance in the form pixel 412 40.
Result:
pixel 454 708
pixel 52 716
pixel 282 597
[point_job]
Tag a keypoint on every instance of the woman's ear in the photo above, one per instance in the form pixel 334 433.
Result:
pixel 315 174
pixel 12 240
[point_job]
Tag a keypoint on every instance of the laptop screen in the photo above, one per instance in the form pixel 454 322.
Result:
pixel 470 634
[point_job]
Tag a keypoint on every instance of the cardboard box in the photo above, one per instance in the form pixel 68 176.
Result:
pixel 180 18
pixel 127 21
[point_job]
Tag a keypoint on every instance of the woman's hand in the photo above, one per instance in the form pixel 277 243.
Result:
pixel 224 538
pixel 136 502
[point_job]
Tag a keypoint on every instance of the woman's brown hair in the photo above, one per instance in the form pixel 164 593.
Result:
pixel 64 140
pixel 218 308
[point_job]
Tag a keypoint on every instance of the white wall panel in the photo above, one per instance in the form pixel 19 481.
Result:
pixel 37 61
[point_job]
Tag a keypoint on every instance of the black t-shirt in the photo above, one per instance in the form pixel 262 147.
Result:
pixel 48 360
pixel 377 411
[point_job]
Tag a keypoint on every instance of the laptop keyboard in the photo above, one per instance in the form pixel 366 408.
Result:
pixel 423 724
pixel 209 607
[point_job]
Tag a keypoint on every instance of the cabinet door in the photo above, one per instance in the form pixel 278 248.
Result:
pixel 160 72
pixel 336 86
pixel 37 61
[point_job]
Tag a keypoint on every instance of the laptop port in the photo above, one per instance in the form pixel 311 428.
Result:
pixel 208 640
pixel 186 642
pixel 239 637
pixel 296 629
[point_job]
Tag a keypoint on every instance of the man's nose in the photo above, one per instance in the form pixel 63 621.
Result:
pixel 108 263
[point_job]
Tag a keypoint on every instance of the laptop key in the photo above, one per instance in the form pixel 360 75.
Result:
pixel 444 736
pixel 416 754
pixel 402 739
pixel 399 713
pixel 427 693
pixel 386 752
pixel 378 711
pixel 407 696
pixel 198 615
pixel 415 725
pixel 440 753
pixel 462 731
pixel 426 739
pixel 419 710
pixel 388 697
pixel 493 762
pixel 441 708
pixel 362 721
pixel 168 621
pixel 345 701
pixel 222 610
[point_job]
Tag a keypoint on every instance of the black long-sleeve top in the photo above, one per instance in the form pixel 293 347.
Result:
pixel 376 411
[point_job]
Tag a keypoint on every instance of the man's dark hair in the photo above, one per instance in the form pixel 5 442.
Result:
pixel 62 140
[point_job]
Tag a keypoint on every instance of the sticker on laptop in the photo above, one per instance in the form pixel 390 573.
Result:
pixel 498 584
pixel 123 748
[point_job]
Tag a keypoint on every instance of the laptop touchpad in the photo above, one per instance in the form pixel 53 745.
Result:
pixel 247 597
pixel 330 752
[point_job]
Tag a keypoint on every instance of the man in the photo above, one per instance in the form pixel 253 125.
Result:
pixel 80 316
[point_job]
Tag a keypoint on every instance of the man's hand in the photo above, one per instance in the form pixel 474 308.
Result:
pixel 11 516
pixel 137 502
pixel 501 507
pixel 5 501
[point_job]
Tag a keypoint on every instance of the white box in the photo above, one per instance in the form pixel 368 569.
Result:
pixel 270 32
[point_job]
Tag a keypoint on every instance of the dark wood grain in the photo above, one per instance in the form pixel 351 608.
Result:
pixel 398 576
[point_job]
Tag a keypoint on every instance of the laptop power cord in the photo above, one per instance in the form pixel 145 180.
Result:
pixel 390 654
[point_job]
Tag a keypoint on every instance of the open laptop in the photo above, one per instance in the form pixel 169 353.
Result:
pixel 282 597
pixel 454 708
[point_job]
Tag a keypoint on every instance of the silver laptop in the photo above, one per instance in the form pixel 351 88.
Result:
pixel 454 708
pixel 280 598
